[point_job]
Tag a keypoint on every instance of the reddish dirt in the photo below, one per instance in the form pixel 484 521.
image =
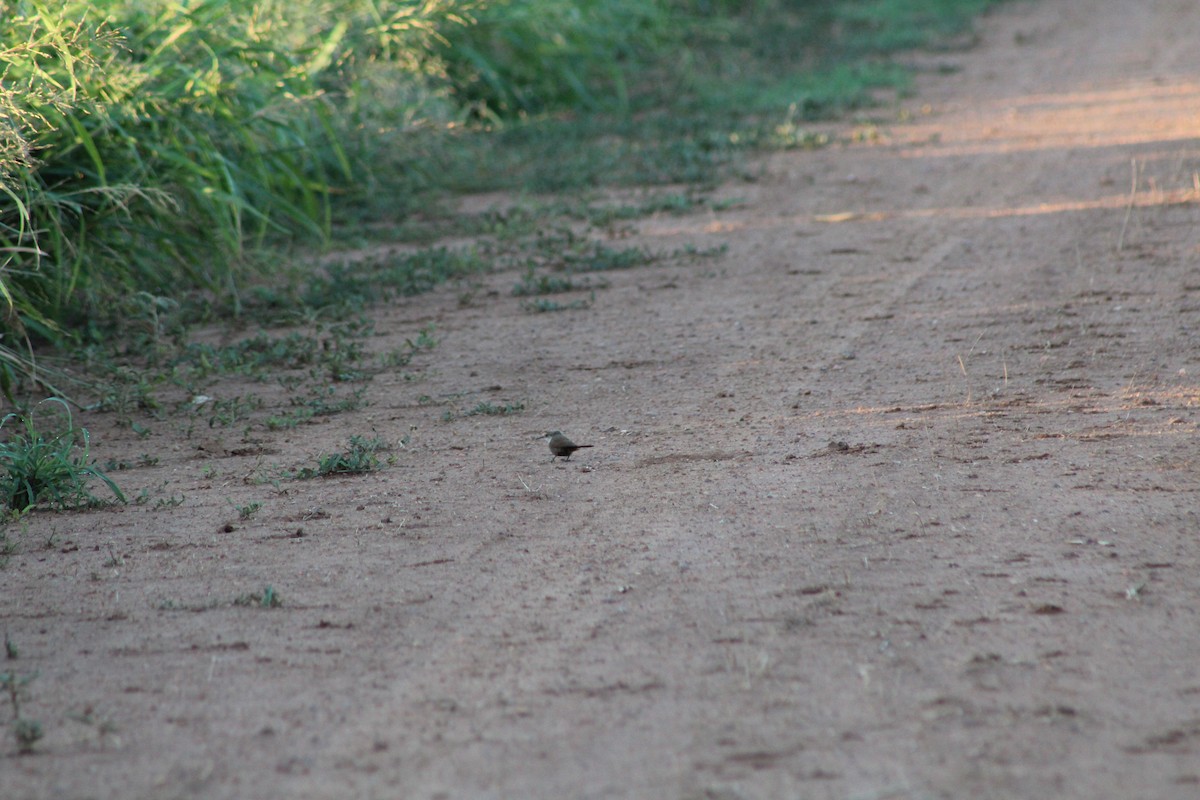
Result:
pixel 896 499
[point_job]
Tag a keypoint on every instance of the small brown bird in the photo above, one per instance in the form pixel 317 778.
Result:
pixel 562 446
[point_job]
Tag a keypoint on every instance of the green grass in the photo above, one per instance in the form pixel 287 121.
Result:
pixel 532 284
pixel 541 305
pixel 355 284
pixel 493 410
pixel 690 87
pixel 27 732
pixel 249 510
pixel 361 455
pixel 165 163
pixel 48 466
pixel 155 149
pixel 267 598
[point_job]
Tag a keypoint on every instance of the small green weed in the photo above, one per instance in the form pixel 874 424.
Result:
pixel 26 731
pixel 540 305
pixel 601 258
pixel 168 502
pixel 691 252
pixel 8 548
pixel 360 456
pixel 335 349
pixel 324 400
pixel 602 215
pixel 272 475
pixel 114 560
pixel 51 468
pixel 247 511
pixel 533 284
pixel 492 410
pixel 267 598
pixel 425 339
pixel 88 717
pixel 289 420
pixel 357 284
pixel 123 389
pixel 403 356
pixel 233 409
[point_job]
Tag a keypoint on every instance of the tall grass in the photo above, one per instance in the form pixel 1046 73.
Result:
pixel 524 57
pixel 154 146
pixel 157 149
pixel 560 95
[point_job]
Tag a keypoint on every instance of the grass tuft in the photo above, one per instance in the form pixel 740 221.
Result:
pixel 52 468
pixel 493 410
pixel 26 731
pixel 360 456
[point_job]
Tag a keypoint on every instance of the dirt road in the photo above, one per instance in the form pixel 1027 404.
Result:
pixel 896 499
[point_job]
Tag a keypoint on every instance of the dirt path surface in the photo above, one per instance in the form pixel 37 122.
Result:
pixel 896 499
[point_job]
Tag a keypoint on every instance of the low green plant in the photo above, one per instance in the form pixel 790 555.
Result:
pixel 267 598
pixel 41 466
pixel 169 502
pixel 26 731
pixel 360 456
pixel 8 548
pixel 532 284
pixel 493 410
pixel 247 511
pixel 355 284
pixel 674 203
pixel 288 420
pixel 336 349
pixel 232 409
pixel 599 257
pixel 541 305
pixel 425 339
pixel 691 252
pixel 325 400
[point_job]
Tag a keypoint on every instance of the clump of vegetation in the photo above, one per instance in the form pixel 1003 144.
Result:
pixel 362 455
pixel 541 305
pixel 40 466
pixel 26 731
pixel 492 410
pixel 267 598
pixel 249 510
pixel 157 158
pixel 533 284
pixel 154 148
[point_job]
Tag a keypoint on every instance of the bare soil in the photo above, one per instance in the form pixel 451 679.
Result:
pixel 898 498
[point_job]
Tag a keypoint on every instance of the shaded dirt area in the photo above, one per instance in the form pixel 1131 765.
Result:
pixel 898 498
